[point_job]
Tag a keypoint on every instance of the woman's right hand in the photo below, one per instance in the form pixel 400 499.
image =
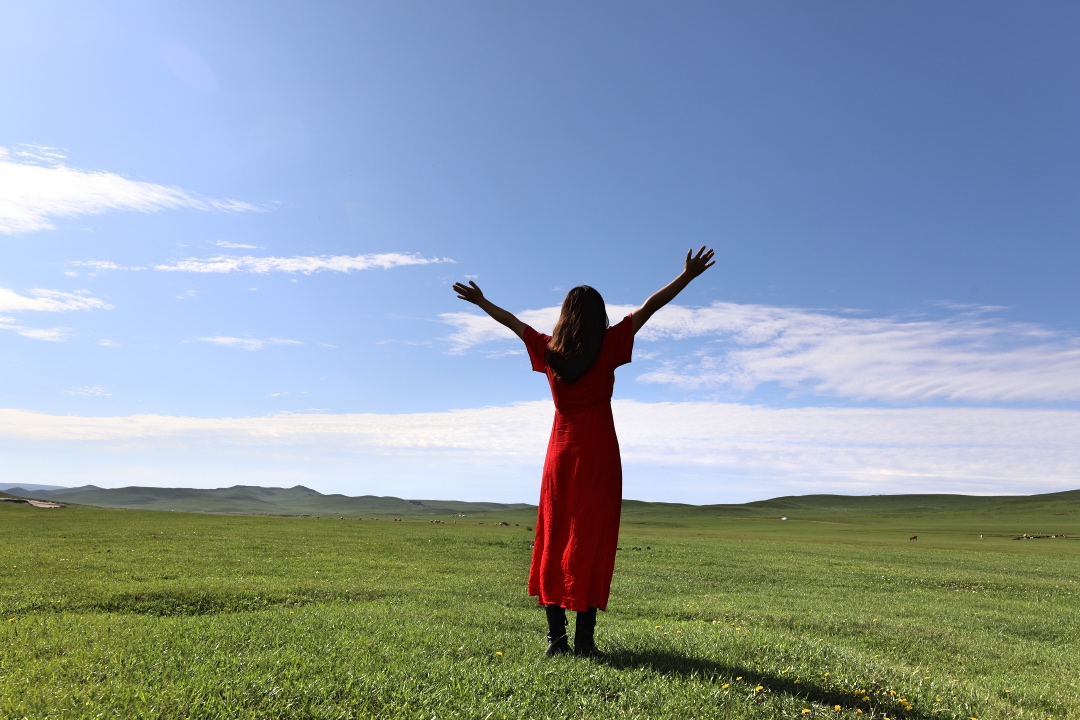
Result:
pixel 470 293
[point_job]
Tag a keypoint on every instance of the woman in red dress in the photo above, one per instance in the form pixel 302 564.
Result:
pixel 577 525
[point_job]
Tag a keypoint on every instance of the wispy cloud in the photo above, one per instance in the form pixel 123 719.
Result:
pixel 89 391
pixel 300 264
pixel 235 245
pixel 36 187
pixel 56 334
pixel 41 300
pixel 969 356
pixel 247 343
pixel 101 265
pixel 813 449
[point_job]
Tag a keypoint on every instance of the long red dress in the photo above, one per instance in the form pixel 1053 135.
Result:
pixel 577 525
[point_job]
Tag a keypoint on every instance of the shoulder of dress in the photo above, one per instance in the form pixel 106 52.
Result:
pixel 532 333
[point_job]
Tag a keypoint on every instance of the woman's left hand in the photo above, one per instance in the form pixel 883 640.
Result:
pixel 697 264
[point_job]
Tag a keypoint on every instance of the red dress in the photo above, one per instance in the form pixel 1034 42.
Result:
pixel 577 525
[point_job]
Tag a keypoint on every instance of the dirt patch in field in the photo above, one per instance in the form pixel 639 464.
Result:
pixel 33 503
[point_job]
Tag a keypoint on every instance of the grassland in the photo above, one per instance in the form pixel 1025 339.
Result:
pixel 723 612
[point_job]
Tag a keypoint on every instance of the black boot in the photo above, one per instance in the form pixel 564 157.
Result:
pixel 584 646
pixel 557 641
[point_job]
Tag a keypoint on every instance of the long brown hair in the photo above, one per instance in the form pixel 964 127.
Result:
pixel 575 342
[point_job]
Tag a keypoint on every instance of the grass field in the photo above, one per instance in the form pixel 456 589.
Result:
pixel 723 612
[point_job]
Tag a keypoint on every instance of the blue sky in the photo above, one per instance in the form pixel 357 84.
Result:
pixel 228 234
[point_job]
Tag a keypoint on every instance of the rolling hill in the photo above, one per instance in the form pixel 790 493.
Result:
pixel 250 500
pixel 300 500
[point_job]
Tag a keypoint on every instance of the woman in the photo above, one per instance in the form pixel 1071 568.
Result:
pixel 577 525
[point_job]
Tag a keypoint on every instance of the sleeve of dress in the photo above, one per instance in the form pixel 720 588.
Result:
pixel 623 337
pixel 536 344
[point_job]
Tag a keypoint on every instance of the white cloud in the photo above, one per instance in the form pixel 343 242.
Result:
pixel 57 334
pixel 969 356
pixel 966 357
pixel 726 448
pixel 108 343
pixel 35 187
pixel 247 343
pixel 97 264
pixel 302 264
pixel 100 265
pixel 89 391
pixel 236 246
pixel 41 300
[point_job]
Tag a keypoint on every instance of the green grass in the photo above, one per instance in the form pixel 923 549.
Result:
pixel 120 613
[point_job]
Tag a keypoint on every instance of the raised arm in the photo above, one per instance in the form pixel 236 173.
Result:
pixel 472 293
pixel 695 265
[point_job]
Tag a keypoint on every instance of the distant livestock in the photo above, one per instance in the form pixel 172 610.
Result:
pixel 913 537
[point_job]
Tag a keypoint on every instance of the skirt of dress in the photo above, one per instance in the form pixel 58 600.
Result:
pixel 577 524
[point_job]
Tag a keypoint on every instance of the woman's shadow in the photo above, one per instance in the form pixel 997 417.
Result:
pixel 669 663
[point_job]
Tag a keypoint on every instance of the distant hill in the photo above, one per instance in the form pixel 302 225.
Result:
pixel 251 500
pixel 30 486
pixel 299 500
pixel 838 506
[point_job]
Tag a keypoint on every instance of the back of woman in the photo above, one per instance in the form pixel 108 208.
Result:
pixel 577 524
pixel 594 387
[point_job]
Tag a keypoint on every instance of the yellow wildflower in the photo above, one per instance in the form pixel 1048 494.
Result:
pixel 739 678
pixel 836 708
pixel 726 686
pixel 498 654
pixel 759 688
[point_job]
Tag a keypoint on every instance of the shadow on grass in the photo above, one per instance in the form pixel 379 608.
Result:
pixel 668 663
pixel 178 602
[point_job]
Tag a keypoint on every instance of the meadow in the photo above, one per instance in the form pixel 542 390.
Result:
pixel 724 612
